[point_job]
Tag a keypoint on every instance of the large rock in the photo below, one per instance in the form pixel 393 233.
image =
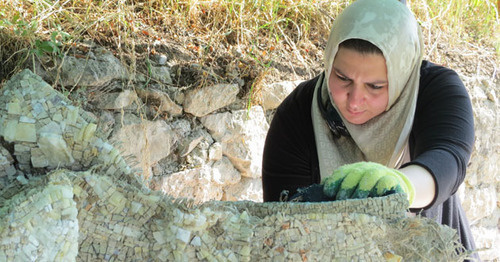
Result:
pixel 160 100
pixel 45 131
pixel 197 184
pixel 118 100
pixel 161 74
pixel 242 135
pixel 247 189
pixel 275 93
pixel 208 182
pixel 97 70
pixel 203 101
pixel 52 151
pixel 224 173
pixel 147 142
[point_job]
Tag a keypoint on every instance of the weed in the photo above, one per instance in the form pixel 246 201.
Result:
pixel 53 46
pixel 277 28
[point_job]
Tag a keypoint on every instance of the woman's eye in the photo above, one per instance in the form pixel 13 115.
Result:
pixel 375 86
pixel 342 78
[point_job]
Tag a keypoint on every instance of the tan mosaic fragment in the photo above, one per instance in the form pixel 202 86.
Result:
pixel 99 210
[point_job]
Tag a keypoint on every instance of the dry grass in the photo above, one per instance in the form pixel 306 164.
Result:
pixel 263 34
pixel 466 24
pixel 415 244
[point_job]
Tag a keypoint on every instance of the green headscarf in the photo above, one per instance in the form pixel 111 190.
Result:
pixel 389 25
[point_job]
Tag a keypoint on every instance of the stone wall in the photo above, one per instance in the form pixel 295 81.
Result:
pixel 92 206
pixel 199 143
pixel 480 193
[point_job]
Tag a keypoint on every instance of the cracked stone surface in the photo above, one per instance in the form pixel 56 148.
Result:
pixel 73 197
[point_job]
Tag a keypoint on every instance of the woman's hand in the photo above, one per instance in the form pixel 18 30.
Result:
pixel 366 179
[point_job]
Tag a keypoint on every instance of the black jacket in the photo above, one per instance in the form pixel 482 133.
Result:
pixel 441 141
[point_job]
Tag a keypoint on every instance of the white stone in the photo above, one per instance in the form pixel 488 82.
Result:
pixel 116 101
pixel 162 59
pixel 55 149
pixel 38 158
pixel 488 239
pixel 180 233
pixel 25 119
pixel 275 93
pixel 196 241
pixel 98 70
pixel 161 74
pixel 161 101
pixel 147 142
pixel 9 130
pixel 194 184
pixel 479 203
pixel 25 132
pixel 190 143
pixel 135 206
pixel 5 157
pixel 158 236
pixel 215 151
pixel 22 179
pixel 203 101
pixel 224 173
pixel 247 189
pixel 51 127
pixel 242 135
pixel 72 114
pixel 14 108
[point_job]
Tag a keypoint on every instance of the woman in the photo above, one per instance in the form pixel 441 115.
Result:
pixel 377 101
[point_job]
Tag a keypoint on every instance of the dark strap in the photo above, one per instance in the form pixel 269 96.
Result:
pixel 331 115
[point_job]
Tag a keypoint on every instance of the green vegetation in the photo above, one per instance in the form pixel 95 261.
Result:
pixel 469 20
pixel 261 30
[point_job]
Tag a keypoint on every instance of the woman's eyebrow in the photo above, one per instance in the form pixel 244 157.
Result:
pixel 377 82
pixel 339 72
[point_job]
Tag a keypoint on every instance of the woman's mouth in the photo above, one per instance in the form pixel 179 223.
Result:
pixel 354 112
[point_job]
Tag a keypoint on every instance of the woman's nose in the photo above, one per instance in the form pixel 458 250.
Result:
pixel 355 97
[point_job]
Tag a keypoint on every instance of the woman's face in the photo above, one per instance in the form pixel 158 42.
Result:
pixel 359 85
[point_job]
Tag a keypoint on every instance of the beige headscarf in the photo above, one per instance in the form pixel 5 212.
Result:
pixel 389 25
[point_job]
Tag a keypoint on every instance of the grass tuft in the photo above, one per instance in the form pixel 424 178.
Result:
pixel 262 31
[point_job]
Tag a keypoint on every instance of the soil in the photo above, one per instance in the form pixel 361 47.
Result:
pixel 236 65
pixel 192 68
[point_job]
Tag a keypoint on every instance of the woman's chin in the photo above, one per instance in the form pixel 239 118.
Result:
pixel 356 119
pixel 357 122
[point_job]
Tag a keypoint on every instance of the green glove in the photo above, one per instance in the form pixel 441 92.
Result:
pixel 366 179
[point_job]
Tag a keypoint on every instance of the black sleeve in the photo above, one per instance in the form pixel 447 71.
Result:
pixel 290 158
pixel 442 136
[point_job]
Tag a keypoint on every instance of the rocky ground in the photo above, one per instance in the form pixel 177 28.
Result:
pixel 194 123
pixel 67 194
